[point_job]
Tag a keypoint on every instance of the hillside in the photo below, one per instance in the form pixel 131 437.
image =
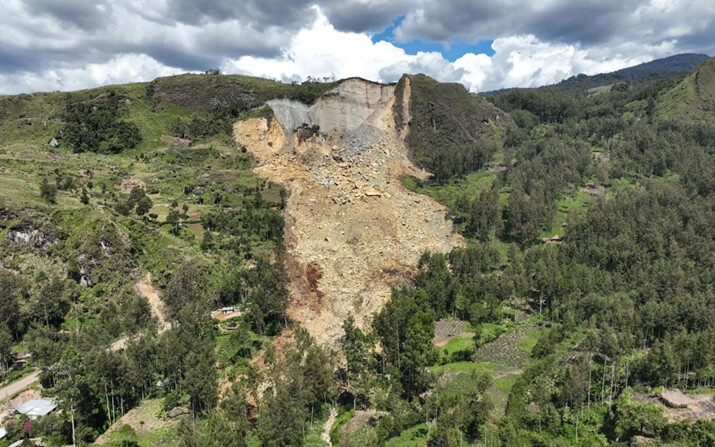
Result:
pixel 231 261
pixel 666 68
pixel 693 99
pixel 353 230
pixel 450 131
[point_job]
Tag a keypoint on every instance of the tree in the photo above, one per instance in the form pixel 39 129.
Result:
pixel 48 191
pixel 436 280
pixel 49 303
pixel 185 287
pixel 405 330
pixel 201 377
pixel 84 198
pixel 356 348
pixel 173 219
pixel 207 241
pixel 144 204
pixel 11 289
pixel 6 344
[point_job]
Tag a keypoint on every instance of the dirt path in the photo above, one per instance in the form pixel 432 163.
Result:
pixel 16 387
pixel 329 426
pixel 352 230
pixel 144 288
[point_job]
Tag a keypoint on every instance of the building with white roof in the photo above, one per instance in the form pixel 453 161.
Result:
pixel 36 408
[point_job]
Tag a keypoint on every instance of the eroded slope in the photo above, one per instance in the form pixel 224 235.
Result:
pixel 352 229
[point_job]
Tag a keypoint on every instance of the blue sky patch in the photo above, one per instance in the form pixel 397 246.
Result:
pixel 455 50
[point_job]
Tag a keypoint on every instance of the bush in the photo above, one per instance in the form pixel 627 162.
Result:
pixel 48 191
pixel 172 400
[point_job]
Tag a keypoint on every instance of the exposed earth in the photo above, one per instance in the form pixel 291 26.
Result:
pixel 352 229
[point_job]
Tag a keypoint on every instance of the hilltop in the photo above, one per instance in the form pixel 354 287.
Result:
pixel 693 99
pixel 659 69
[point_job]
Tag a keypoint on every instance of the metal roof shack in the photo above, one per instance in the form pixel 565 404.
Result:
pixel 3 432
pixel 36 408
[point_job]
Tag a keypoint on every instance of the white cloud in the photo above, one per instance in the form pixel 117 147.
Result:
pixel 519 61
pixel 321 51
pixel 140 40
pixel 122 69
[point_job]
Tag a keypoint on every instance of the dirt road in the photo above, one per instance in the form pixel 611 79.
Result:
pixel 16 387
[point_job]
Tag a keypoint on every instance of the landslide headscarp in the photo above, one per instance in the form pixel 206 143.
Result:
pixel 352 230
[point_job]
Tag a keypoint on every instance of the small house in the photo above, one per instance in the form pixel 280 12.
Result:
pixel 36 408
pixel 555 239
pixel 3 432
pixel 21 360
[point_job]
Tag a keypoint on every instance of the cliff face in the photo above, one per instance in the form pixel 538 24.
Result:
pixel 352 230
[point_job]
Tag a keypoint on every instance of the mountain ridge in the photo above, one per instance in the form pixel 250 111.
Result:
pixel 670 67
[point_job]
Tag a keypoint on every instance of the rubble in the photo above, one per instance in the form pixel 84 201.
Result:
pixel 352 229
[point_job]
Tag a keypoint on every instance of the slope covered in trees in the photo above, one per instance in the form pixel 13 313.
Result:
pixel 450 131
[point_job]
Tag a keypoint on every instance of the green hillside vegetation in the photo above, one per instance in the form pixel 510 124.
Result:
pixel 99 188
pixel 693 99
pixel 450 131
pixel 560 333
pixel 667 68
pixel 631 195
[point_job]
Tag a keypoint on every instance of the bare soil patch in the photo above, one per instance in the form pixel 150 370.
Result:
pixel 144 288
pixel 128 184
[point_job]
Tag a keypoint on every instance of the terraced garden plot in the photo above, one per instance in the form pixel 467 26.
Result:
pixel 445 330
pixel 505 350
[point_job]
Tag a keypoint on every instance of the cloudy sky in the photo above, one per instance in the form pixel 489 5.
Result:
pixel 485 44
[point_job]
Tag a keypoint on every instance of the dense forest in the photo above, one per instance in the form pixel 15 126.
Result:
pixel 584 287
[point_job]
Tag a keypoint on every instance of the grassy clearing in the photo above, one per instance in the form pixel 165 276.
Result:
pixel 564 206
pixel 413 437
pixel 526 345
pixel 144 425
pixel 458 344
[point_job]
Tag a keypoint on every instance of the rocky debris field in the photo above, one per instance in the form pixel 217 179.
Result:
pixel 352 229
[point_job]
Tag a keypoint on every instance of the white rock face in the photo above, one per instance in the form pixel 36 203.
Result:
pixel 339 111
